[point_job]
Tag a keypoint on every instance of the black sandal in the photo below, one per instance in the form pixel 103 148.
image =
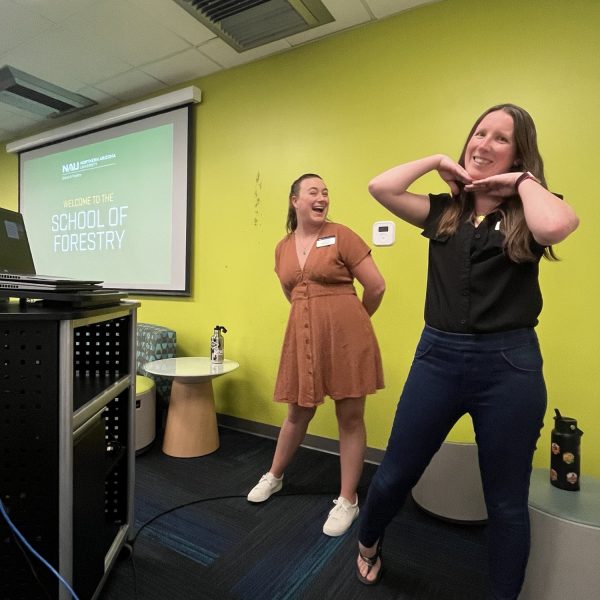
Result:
pixel 370 561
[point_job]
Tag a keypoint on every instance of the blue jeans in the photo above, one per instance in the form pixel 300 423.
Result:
pixel 497 379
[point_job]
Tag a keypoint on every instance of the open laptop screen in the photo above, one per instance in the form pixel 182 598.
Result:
pixel 15 253
pixel 16 260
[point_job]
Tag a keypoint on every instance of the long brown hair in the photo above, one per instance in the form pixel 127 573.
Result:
pixel 518 239
pixel 292 219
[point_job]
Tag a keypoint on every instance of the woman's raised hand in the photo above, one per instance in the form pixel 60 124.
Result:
pixel 453 174
pixel 498 185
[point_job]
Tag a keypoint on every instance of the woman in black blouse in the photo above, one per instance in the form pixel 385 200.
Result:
pixel 478 353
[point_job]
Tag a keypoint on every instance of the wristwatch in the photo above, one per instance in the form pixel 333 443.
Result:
pixel 523 177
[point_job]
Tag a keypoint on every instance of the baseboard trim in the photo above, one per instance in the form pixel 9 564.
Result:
pixel 314 442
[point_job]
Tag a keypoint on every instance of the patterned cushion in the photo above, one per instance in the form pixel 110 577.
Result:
pixel 155 342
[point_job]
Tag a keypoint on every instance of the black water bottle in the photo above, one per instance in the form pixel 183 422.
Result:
pixel 565 456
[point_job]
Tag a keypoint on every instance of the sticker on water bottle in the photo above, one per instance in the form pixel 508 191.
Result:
pixel 572 478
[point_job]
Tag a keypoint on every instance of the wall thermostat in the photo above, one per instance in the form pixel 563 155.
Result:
pixel 384 233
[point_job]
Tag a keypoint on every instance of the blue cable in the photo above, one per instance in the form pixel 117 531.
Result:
pixel 38 556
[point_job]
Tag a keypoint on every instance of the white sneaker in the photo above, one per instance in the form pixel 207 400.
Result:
pixel 341 516
pixel 265 488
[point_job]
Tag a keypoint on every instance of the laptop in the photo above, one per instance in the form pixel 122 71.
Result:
pixel 17 270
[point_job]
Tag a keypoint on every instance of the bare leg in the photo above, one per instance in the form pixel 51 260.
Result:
pixel 353 439
pixel 290 437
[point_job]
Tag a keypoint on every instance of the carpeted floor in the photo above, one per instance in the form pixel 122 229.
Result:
pixel 221 547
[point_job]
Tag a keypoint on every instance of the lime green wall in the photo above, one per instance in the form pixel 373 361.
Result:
pixel 348 107
pixel 9 180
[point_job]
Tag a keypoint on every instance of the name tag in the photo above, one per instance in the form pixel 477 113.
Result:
pixel 325 241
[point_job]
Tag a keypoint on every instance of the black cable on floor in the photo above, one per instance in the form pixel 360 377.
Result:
pixel 209 499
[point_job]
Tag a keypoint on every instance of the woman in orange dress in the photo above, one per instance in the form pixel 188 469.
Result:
pixel 329 347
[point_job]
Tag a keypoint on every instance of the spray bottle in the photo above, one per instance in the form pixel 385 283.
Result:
pixel 217 345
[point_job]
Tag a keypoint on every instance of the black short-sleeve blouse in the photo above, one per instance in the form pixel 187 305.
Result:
pixel 472 286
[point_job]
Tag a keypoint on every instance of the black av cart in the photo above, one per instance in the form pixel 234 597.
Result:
pixel 67 410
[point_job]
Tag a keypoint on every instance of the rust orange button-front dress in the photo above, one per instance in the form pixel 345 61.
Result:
pixel 329 348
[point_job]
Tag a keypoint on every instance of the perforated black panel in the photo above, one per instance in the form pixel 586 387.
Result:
pixel 100 357
pixel 29 455
pixel 30 442
pixel 116 419
pixel 102 348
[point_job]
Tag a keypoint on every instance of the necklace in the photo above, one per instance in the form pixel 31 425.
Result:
pixel 307 247
pixel 304 248
pixel 478 218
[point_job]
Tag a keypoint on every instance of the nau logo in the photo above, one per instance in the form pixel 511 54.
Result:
pixel 70 167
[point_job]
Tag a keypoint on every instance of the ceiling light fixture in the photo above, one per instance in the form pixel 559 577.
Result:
pixel 37 96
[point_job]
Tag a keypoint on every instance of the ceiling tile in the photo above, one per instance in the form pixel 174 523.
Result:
pixel 89 91
pixel 55 10
pixel 226 56
pixel 12 119
pixel 69 65
pixel 19 25
pixel 130 85
pixel 132 34
pixel 385 8
pixel 187 65
pixel 176 19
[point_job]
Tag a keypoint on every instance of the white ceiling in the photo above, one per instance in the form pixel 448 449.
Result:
pixel 115 51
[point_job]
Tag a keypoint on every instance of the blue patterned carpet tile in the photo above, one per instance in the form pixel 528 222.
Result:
pixel 201 533
pixel 182 544
pixel 302 565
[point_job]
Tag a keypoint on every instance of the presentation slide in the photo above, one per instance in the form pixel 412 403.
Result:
pixel 112 205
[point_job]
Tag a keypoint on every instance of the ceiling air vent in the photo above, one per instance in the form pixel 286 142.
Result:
pixel 246 24
pixel 37 96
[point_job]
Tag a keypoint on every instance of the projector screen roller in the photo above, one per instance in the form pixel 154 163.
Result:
pixel 112 205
